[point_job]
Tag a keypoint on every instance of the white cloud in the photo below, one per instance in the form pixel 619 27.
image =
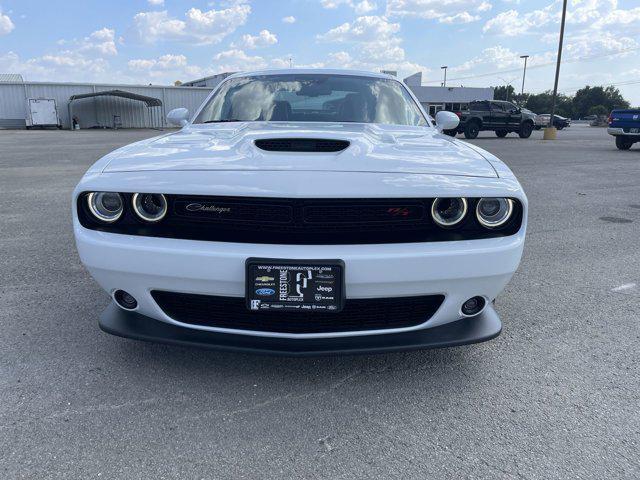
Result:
pixel 437 9
pixel 373 36
pixel 463 17
pixel 629 19
pixel 30 69
pixel 235 60
pixel 78 59
pixel 374 39
pixel 164 69
pixel 6 25
pixel 101 41
pixel 496 57
pixel 204 27
pixel 263 39
pixel 582 15
pixel 360 7
pixel 289 19
pixel 363 29
pixel 156 3
pixel 343 59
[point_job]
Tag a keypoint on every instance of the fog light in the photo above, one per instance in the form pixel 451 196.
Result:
pixel 125 300
pixel 473 306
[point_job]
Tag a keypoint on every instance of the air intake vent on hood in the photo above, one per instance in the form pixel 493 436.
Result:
pixel 301 145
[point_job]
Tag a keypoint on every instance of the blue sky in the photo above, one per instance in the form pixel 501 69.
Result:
pixel 160 41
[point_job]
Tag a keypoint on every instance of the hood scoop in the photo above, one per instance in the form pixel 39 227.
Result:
pixel 319 145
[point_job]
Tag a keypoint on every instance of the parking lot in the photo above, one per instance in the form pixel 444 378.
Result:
pixel 555 396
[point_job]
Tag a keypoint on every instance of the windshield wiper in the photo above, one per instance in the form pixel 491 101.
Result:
pixel 224 120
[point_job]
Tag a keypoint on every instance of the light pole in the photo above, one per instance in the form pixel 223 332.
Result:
pixel 524 74
pixel 445 75
pixel 550 131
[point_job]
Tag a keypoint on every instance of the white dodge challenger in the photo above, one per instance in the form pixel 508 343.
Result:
pixel 302 212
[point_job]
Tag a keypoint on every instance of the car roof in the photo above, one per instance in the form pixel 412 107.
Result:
pixel 316 71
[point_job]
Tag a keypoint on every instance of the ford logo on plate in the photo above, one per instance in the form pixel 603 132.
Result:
pixel 265 292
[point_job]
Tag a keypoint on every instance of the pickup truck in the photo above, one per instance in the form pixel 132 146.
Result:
pixel 625 126
pixel 495 115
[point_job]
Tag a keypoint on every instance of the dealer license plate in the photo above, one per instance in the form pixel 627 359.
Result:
pixel 295 285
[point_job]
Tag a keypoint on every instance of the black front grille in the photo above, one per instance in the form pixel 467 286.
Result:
pixel 357 315
pixel 301 145
pixel 299 221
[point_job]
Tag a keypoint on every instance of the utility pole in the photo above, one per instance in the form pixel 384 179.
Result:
pixel 551 129
pixel 445 75
pixel 524 74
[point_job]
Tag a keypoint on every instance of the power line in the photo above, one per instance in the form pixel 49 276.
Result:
pixel 540 65
pixel 617 84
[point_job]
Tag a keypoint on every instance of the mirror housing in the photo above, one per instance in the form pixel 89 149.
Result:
pixel 446 121
pixel 178 117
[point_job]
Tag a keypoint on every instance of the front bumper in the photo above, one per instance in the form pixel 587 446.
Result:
pixel 139 327
pixel 458 270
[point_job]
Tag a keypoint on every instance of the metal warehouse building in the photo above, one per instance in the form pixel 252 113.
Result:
pixel 93 106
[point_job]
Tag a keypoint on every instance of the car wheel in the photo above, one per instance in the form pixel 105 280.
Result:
pixel 501 133
pixel 451 133
pixel 623 143
pixel 471 130
pixel 560 127
pixel 525 130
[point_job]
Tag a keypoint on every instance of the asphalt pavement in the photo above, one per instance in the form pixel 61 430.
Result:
pixel 555 396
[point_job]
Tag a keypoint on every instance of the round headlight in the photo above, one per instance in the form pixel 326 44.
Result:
pixel 494 212
pixel 105 206
pixel 150 207
pixel 448 212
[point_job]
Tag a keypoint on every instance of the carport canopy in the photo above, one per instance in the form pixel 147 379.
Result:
pixel 149 101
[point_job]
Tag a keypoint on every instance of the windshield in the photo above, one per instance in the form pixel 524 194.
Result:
pixel 312 98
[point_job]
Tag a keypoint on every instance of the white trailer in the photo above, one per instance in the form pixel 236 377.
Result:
pixel 42 112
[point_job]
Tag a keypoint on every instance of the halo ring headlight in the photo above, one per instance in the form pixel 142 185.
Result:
pixel 448 212
pixel 105 206
pixel 150 207
pixel 494 212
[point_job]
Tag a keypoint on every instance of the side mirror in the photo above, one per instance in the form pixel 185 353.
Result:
pixel 178 117
pixel 446 121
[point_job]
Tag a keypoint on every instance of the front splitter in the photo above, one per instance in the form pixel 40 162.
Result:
pixel 133 325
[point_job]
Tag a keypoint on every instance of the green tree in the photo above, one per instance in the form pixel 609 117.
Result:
pixel 599 110
pixel 503 92
pixel 541 103
pixel 588 97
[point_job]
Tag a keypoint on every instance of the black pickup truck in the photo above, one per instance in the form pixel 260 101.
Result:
pixel 500 116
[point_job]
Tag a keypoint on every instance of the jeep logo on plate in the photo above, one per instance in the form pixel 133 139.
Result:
pixel 265 292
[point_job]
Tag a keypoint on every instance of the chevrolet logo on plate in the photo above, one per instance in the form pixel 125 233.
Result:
pixel 265 279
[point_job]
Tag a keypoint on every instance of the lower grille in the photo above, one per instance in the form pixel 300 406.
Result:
pixel 358 314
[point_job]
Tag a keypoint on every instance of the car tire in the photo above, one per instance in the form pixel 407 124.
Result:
pixel 471 130
pixel 623 143
pixel 451 133
pixel 501 133
pixel 560 127
pixel 525 130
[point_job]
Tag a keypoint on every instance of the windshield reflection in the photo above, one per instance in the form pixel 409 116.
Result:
pixel 312 98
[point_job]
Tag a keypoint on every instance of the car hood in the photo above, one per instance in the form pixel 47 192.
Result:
pixel 373 148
